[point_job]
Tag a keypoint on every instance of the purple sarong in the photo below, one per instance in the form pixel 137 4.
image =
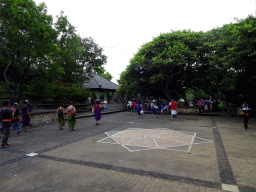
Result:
pixel 97 114
pixel 26 121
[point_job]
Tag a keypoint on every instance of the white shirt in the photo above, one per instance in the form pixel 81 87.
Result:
pixel 245 108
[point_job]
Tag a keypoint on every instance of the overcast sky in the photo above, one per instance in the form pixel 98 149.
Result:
pixel 121 27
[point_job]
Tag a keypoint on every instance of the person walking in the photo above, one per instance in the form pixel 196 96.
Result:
pixel 245 109
pixel 71 113
pixel 140 110
pixel 174 109
pixel 153 108
pixel 25 115
pixel 162 109
pixel 61 119
pixel 97 112
pixel 134 105
pixel 169 106
pixel 6 123
pixel 129 107
pixel 16 120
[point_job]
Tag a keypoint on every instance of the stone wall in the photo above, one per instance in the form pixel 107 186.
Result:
pixel 43 118
pixel 188 110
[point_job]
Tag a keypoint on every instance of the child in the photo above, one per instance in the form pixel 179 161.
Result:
pixel 105 105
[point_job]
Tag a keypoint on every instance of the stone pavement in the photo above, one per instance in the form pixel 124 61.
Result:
pixel 221 156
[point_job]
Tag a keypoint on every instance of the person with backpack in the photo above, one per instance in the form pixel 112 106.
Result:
pixel 61 119
pixel 71 113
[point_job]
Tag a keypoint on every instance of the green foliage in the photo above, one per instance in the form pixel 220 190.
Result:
pixel 79 95
pixel 159 66
pixel 218 63
pixel 37 88
pixel 26 37
pixel 31 45
pixel 100 70
pixel 41 89
pixel 2 86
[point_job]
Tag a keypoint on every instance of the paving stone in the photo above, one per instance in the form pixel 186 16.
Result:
pixel 77 162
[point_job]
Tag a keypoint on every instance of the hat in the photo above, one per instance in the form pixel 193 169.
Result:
pixel 153 101
pixel 26 101
pixel 15 104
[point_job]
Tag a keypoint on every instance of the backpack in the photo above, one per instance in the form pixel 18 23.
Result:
pixel 60 113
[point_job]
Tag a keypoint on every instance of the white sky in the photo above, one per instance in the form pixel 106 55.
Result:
pixel 121 27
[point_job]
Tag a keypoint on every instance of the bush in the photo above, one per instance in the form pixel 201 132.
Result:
pixel 57 90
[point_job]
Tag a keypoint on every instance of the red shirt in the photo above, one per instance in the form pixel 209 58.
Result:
pixel 134 105
pixel 174 105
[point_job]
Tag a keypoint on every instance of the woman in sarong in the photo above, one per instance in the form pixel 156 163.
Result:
pixel 61 119
pixel 71 118
pixel 97 112
pixel 139 110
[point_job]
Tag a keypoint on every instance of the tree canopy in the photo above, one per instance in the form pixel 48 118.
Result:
pixel 31 45
pixel 220 62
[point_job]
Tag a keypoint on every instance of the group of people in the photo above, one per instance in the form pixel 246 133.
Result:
pixel 11 120
pixel 11 117
pixel 206 105
pixel 133 107
pixel 71 114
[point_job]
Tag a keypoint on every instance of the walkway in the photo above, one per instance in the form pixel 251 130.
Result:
pixel 202 154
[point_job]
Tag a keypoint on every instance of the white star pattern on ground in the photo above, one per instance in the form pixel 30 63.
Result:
pixel 137 139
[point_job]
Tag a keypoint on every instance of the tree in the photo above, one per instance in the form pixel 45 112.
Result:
pixel 26 36
pixel 159 66
pixel 100 70
pixel 76 55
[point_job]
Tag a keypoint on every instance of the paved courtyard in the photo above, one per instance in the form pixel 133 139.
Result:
pixel 124 153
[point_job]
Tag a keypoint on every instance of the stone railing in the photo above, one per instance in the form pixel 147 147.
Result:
pixel 188 110
pixel 43 118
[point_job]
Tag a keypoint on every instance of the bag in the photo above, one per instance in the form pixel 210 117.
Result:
pixel 73 113
pixel 93 110
pixel 60 113
pixel 141 112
